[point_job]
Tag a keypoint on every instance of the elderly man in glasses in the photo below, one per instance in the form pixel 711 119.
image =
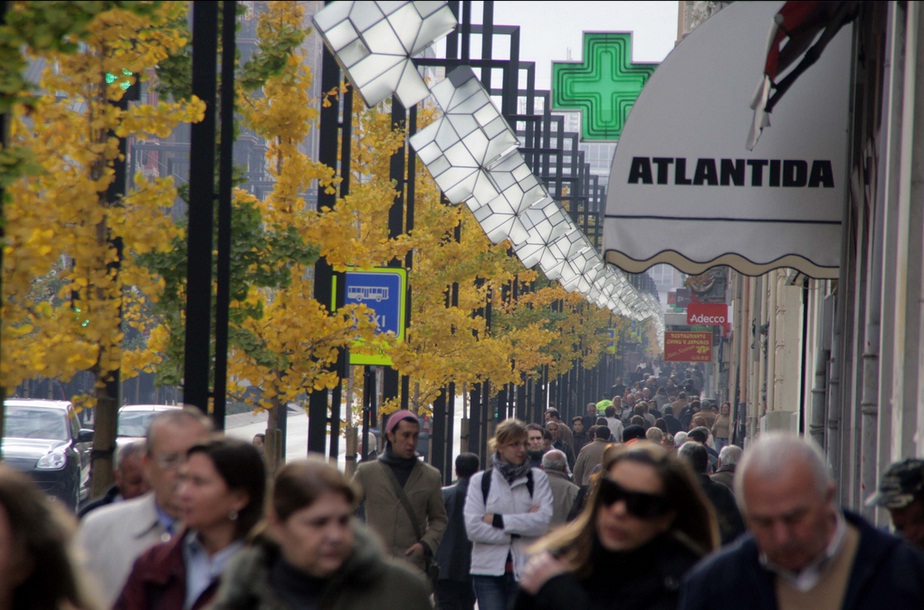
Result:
pixel 803 551
pixel 114 536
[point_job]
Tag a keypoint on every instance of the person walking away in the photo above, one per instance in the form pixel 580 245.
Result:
pixel 613 422
pixel 564 491
pixel 673 424
pixel 112 537
pixel 803 551
pixel 727 464
pixel 222 485
pixel 722 499
pixel 508 507
pixel 591 455
pixel 454 556
pixel 402 497
pixel 645 525
pixel 314 553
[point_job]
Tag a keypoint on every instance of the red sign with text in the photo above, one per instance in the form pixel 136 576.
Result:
pixel 707 314
pixel 687 347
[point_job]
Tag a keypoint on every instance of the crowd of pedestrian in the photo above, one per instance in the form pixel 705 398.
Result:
pixel 642 502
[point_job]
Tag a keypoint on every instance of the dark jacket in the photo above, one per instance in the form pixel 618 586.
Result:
pixel 454 555
pixel 726 476
pixel 673 424
pixel 105 500
pixel 158 580
pixel 366 580
pixel 647 578
pixel 886 572
pixel 580 439
pixel 731 525
pixel 566 449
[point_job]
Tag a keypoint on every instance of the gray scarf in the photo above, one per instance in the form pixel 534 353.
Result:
pixel 510 472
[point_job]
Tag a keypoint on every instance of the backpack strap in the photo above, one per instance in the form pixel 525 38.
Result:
pixel 486 484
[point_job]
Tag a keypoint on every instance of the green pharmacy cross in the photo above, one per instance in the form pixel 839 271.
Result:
pixel 604 87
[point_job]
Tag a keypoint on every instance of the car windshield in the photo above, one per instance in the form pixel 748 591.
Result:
pixel 134 423
pixel 33 422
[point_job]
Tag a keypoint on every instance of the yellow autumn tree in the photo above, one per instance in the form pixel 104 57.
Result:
pixel 290 348
pixel 69 249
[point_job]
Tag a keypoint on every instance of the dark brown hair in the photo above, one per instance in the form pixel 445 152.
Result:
pixel 41 532
pixel 240 466
pixel 301 482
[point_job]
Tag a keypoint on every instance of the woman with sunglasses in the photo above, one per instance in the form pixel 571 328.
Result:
pixel 646 523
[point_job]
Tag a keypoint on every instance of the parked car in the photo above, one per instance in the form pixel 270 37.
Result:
pixel 134 421
pixel 44 439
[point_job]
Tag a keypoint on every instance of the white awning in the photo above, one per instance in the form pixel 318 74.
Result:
pixel 686 191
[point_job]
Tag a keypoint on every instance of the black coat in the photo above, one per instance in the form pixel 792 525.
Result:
pixel 731 525
pixel 454 555
pixel 887 572
pixel 647 578
pixel 673 424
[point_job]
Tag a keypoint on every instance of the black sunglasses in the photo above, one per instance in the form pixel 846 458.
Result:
pixel 639 504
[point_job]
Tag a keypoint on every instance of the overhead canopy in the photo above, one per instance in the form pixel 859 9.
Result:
pixel 684 188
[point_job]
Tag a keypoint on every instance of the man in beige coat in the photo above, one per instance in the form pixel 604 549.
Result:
pixel 591 455
pixel 555 465
pixel 381 505
pixel 112 537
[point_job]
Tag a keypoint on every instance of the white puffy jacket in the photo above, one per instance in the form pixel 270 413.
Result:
pixel 490 544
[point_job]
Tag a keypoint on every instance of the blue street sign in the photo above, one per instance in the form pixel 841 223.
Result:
pixel 382 290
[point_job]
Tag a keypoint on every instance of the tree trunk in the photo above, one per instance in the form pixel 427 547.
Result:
pixel 104 435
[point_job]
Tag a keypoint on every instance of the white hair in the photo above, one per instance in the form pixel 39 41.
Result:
pixel 555 459
pixel 730 455
pixel 773 453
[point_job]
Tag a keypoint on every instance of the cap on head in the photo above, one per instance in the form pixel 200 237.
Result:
pixel 900 485
pixel 399 416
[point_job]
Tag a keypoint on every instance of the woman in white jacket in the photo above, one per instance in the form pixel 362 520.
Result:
pixel 503 522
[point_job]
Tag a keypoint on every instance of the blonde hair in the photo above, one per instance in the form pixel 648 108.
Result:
pixel 508 431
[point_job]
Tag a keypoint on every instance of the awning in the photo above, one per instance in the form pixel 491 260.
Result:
pixel 684 188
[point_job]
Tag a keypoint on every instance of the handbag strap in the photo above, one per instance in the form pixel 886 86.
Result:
pixel 402 497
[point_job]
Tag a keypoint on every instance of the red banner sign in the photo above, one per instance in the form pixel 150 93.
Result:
pixel 687 347
pixel 707 314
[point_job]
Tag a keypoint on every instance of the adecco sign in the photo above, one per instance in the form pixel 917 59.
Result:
pixel 707 314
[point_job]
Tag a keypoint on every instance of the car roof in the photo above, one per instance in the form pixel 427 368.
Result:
pixel 148 408
pixel 37 402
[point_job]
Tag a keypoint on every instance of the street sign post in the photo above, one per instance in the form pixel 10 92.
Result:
pixel 383 290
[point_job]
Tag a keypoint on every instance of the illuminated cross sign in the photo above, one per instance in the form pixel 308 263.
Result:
pixel 604 87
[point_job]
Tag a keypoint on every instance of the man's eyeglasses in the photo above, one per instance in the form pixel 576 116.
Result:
pixel 170 461
pixel 638 504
